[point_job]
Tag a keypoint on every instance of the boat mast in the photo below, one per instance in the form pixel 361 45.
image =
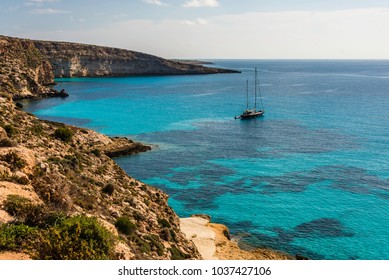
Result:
pixel 255 90
pixel 247 94
pixel 260 95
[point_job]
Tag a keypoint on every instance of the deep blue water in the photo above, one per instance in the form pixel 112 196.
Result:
pixel 311 177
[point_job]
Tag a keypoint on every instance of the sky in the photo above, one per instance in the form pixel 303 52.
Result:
pixel 206 29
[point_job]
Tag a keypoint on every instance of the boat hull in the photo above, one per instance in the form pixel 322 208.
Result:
pixel 251 115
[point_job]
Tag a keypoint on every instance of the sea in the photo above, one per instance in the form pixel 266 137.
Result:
pixel 310 177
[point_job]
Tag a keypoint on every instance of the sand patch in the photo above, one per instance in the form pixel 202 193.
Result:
pixel 213 244
pixel 197 230
pixel 14 256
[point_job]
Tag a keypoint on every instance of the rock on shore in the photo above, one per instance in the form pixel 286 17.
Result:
pixel 122 146
pixel 213 242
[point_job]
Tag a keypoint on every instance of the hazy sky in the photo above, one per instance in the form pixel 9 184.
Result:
pixel 209 28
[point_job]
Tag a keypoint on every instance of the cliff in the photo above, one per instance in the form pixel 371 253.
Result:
pixel 28 68
pixel 80 60
pixel 52 171
pixel 24 72
pixel 61 195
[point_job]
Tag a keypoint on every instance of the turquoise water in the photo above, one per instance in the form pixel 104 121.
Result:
pixel 311 177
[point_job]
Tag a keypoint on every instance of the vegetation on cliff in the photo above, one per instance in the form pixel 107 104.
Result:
pixel 50 171
pixel 24 72
pixel 61 195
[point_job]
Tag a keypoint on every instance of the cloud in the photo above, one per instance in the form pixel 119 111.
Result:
pixel 200 3
pixel 73 19
pixel 47 11
pixel 155 2
pixel 39 3
pixel 121 15
pixel 287 34
pixel 199 21
pixel 44 1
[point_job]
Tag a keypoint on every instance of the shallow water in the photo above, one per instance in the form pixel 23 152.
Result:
pixel 311 177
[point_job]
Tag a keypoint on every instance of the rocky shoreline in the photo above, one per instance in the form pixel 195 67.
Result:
pixel 122 146
pixel 55 176
pixel 50 93
pixel 215 243
pixel 50 170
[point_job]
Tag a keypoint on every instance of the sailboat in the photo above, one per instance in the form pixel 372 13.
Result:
pixel 252 113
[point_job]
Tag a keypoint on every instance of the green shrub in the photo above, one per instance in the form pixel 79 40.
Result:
pixel 154 242
pixel 24 211
pixel 164 223
pixel 138 216
pixel 76 238
pixel 96 152
pixel 63 238
pixel 14 160
pixel 22 180
pixel 7 143
pixel 15 204
pixel 54 218
pixel 173 234
pixel 15 237
pixel 64 134
pixel 73 161
pixel 143 246
pixel 10 129
pixel 108 189
pixel 37 129
pixel 177 254
pixel 125 226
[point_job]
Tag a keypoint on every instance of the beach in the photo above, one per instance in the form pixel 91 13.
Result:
pixel 213 242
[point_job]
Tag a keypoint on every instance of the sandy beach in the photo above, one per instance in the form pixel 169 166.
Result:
pixel 213 244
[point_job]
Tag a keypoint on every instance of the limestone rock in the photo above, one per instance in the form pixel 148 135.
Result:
pixel 24 72
pixel 81 60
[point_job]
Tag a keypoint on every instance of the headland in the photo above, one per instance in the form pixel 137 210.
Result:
pixel 55 177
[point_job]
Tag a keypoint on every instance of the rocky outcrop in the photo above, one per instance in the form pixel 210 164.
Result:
pixel 81 60
pixel 214 242
pixel 24 72
pixel 122 146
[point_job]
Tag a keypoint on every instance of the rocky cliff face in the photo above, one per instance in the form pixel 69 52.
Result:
pixel 66 171
pixel 24 72
pixel 61 195
pixel 79 60
pixel 28 67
